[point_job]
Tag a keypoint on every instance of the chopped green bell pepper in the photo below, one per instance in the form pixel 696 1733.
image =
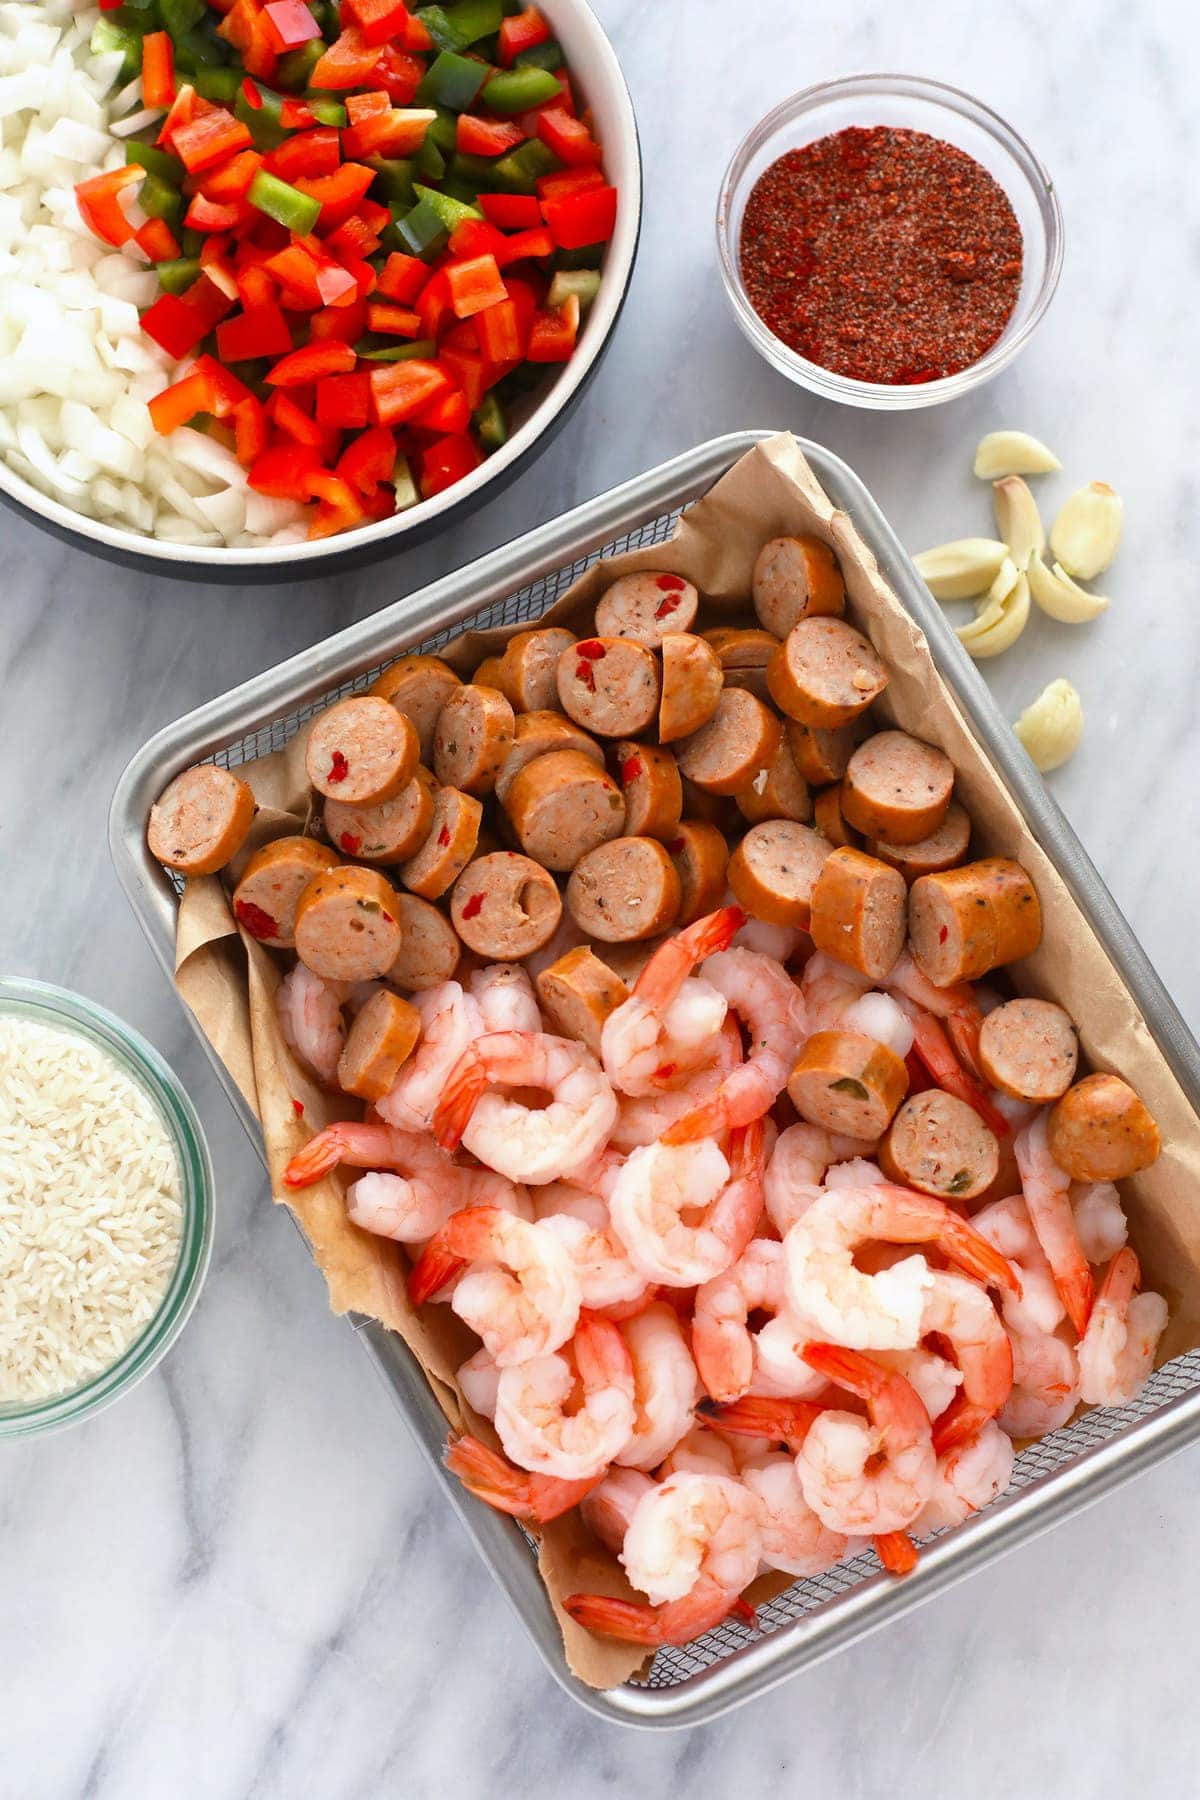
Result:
pixel 262 122
pixel 176 277
pixel 158 200
pixel 218 84
pixel 108 36
pixel 181 16
pixel 325 110
pixel 542 56
pixel 491 424
pixel 517 173
pixel 451 212
pixel 294 70
pixel 587 258
pixel 451 80
pixel 422 231
pixel 158 162
pixel 430 161
pixel 373 350
pixel 405 486
pixel 583 283
pixel 393 183
pixel 284 203
pixel 519 90
pixel 457 27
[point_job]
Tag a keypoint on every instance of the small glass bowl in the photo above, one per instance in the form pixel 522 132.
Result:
pixel 54 1006
pixel 917 105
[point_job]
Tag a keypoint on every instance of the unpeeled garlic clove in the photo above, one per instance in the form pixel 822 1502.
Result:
pixel 1013 453
pixel 998 624
pixel 1018 520
pixel 1051 726
pixel 1087 531
pixel 1060 597
pixel 962 569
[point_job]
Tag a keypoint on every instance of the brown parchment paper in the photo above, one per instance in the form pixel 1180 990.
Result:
pixel 228 980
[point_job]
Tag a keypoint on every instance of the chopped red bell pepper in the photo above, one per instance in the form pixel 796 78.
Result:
pixel 347 63
pixel 343 401
pixel 474 284
pixel 346 323
pixel 208 139
pixel 207 301
pixel 511 212
pixel 398 73
pixel 250 430
pixel 567 181
pixel 553 336
pixel 475 237
pixel 311 362
pixel 219 271
pixel 449 414
pixel 314 152
pixel 369 459
pixel 353 241
pixel 447 461
pixel 296 114
pixel 501 338
pixel 487 137
pixel 283 471
pixel 287 415
pixel 433 307
pixel 181 402
pixel 246 28
pixel 158 69
pixel 230 181
pixel 366 106
pixel 393 321
pixel 225 390
pixel 289 24
pixel 99 207
pixel 256 286
pixel 586 217
pixel 396 132
pixel 212 215
pixel 523 31
pixel 524 244
pixel 340 507
pixel 473 375
pixel 338 193
pixel 402 277
pixel 186 106
pixel 157 240
pixel 398 390
pixel 260 330
pixel 174 325
pixel 378 20
pixel 569 138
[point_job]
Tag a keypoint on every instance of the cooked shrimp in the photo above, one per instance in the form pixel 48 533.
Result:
pixel 838 998
pixel 1007 1225
pixel 607 1275
pixel 958 1005
pixel 780 942
pixel 1099 1219
pixel 883 1311
pixel 794 1538
pixel 683 1212
pixel 1047 1191
pixel 935 1381
pixel 937 1054
pixel 733 1359
pixel 310 1017
pixel 450 1020
pixel 643 1119
pixel 569 1412
pixel 533 1146
pixel 522 1297
pixel 484 1473
pixel 962 1312
pixel 479 1378
pixel 969 1476
pixel 415 1201
pixel 767 1001
pixel 1045 1384
pixel 797 1167
pixel 702 1451
pixel 665 1385
pixel 669 1020
pixel 607 1509
pixel 1116 1352
pixel 504 995
pixel 867 1476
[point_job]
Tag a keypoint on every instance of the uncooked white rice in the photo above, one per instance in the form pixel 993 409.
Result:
pixel 90 1210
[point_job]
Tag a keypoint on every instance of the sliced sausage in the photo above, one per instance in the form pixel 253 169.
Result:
pixel 645 607
pixel 940 1145
pixel 966 921
pixel 624 890
pixel 561 806
pixel 418 687
pixel 264 900
pixel 430 950
pixel 774 869
pixel 1100 1131
pixel 830 820
pixel 200 820
pixel 538 734
pixel 529 667
pixel 628 960
pixel 858 912
pixel 347 925
pixel 701 857
pixel 379 1041
pixel 609 685
pixel 691 685
pixel 739 741
pixel 505 906
pixel 577 993
pixel 474 735
pixel 821 756
pixel 777 792
pixel 796 578
pixel 1028 1048
pixel 490 673
pixel 848 1083
pixel 449 847
pixel 743 653
pixel 361 750
pixel 942 849
pixel 897 787
pixel 386 833
pixel 715 809
pixel 652 789
pixel 825 673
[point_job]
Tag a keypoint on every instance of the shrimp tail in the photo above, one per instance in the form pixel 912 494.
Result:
pixel 897 1552
pixel 637 1622
pixel 863 1376
pixel 935 1051
pixel 321 1154
pixel 976 1256
pixel 487 1475
pixel 460 1096
pixel 964 1029
pixel 706 1120
pixel 435 1266
pixel 754 1415
pixel 666 970
pixel 962 1420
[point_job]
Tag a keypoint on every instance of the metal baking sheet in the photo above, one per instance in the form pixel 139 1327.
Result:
pixel 1054 1478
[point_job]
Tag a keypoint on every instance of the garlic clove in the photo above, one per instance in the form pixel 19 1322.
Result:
pixel 1087 531
pixel 1013 453
pixel 1007 577
pixel 1018 520
pixel 1052 725
pixel 1060 597
pixel 962 569
pixel 998 624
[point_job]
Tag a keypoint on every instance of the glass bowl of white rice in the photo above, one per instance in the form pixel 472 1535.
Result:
pixel 105 1207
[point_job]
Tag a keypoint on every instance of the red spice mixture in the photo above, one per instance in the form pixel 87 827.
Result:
pixel 882 254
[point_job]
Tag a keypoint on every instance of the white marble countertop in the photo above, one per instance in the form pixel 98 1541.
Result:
pixel 241 1580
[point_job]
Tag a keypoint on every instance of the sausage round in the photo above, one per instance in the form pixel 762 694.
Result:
pixel 474 735
pixel 504 906
pixel 777 792
pixel 1100 1131
pixel 488 674
pixel 418 687
pixel 361 750
pixel 774 870
pixel 898 788
pixel 848 1083
pixel 200 820
pixel 577 993
pixel 743 652
pixel 610 686
pixel 347 925
pixel 939 1145
pixel 628 960
pixel 825 673
pixel 701 857
pixel 624 890
pixel 538 734
pixel 561 806
pixel 796 578
pixel 264 900
pixel 1028 1049
pixel 966 921
pixel 645 607
pixel 652 789
pixel 858 912
pixel 449 846
pixel 830 820
pixel 429 950
pixel 821 756
pixel 691 685
pixel 386 833
pixel 942 849
pixel 738 742
pixel 529 667
pixel 379 1041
